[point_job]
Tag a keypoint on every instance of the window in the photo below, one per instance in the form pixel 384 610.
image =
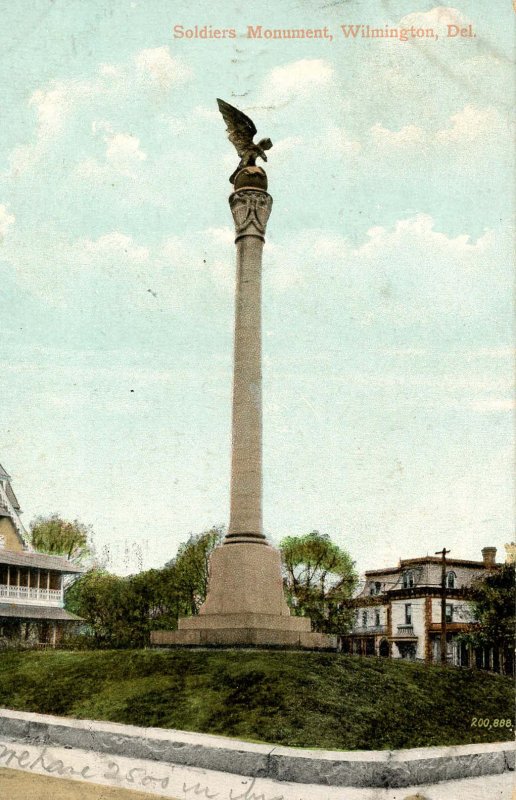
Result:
pixel 364 619
pixel 377 617
pixel 408 614
pixel 2 541
pixel 449 612
pixel 450 580
pixel 408 580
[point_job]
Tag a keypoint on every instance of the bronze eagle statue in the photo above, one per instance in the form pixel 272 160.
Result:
pixel 241 131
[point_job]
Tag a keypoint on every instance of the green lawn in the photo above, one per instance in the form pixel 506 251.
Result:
pixel 292 698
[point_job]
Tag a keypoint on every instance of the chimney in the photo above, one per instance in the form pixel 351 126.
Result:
pixel 489 557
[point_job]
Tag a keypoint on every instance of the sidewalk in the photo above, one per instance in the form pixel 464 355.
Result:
pixel 17 785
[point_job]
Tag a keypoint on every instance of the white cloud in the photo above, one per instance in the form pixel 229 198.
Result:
pixel 177 125
pixel 211 114
pixel 114 248
pixel 407 136
pixel 298 79
pixel 420 230
pixel 117 269
pixel 112 71
pixel 91 169
pixel 286 149
pixel 53 106
pixel 55 103
pixel 287 145
pixel 493 404
pixel 407 274
pixel 123 155
pixel 339 141
pixel 438 17
pixel 123 152
pixel 472 127
pixel 157 67
pixel 6 220
pixel 472 124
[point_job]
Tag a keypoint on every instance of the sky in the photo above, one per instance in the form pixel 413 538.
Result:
pixel 387 297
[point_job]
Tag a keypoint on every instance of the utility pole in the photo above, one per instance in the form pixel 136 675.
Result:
pixel 443 554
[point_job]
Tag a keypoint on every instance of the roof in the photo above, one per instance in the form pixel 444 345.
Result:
pixel 37 612
pixel 423 590
pixel 4 476
pixel 11 495
pixel 407 562
pixel 39 560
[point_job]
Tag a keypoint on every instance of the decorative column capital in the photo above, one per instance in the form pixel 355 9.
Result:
pixel 251 209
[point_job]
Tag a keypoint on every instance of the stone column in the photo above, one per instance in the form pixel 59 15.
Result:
pixel 251 208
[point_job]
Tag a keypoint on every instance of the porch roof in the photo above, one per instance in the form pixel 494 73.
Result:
pixel 37 612
pixel 38 561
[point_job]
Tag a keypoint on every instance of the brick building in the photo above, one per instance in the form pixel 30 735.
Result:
pixel 398 611
pixel 31 583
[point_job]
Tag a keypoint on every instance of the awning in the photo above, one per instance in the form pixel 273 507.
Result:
pixel 37 612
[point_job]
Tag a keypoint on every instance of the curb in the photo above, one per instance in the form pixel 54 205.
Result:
pixel 376 768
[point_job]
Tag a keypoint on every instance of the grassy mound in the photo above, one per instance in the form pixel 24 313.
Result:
pixel 301 699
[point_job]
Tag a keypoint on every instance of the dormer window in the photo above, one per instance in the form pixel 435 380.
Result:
pixel 375 588
pixel 408 580
pixel 451 580
pixel 2 542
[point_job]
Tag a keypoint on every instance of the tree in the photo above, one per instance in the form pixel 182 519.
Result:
pixel 96 597
pixel 59 537
pixel 493 602
pixel 319 577
pixel 117 610
pixel 122 611
pixel 191 568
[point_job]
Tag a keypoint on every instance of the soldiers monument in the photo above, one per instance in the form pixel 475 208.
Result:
pixel 245 603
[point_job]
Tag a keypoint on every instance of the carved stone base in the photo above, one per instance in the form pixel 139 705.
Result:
pixel 245 606
pixel 245 578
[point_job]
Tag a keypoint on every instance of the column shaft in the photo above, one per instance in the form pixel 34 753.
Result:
pixel 246 460
pixel 250 209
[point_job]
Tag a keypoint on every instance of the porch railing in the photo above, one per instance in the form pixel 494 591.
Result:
pixel 31 594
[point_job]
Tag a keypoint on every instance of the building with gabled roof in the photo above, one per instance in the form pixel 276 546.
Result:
pixel 31 583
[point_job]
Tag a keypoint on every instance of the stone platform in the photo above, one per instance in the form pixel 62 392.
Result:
pixel 241 630
pixel 245 606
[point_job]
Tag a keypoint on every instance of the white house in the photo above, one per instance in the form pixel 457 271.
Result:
pixel 398 611
pixel 31 583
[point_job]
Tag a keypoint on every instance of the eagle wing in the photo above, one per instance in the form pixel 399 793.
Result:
pixel 240 128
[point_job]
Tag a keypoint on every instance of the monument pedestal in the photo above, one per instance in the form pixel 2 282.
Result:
pixel 245 605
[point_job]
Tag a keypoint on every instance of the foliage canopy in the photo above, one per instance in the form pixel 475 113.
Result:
pixel 59 537
pixel 319 577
